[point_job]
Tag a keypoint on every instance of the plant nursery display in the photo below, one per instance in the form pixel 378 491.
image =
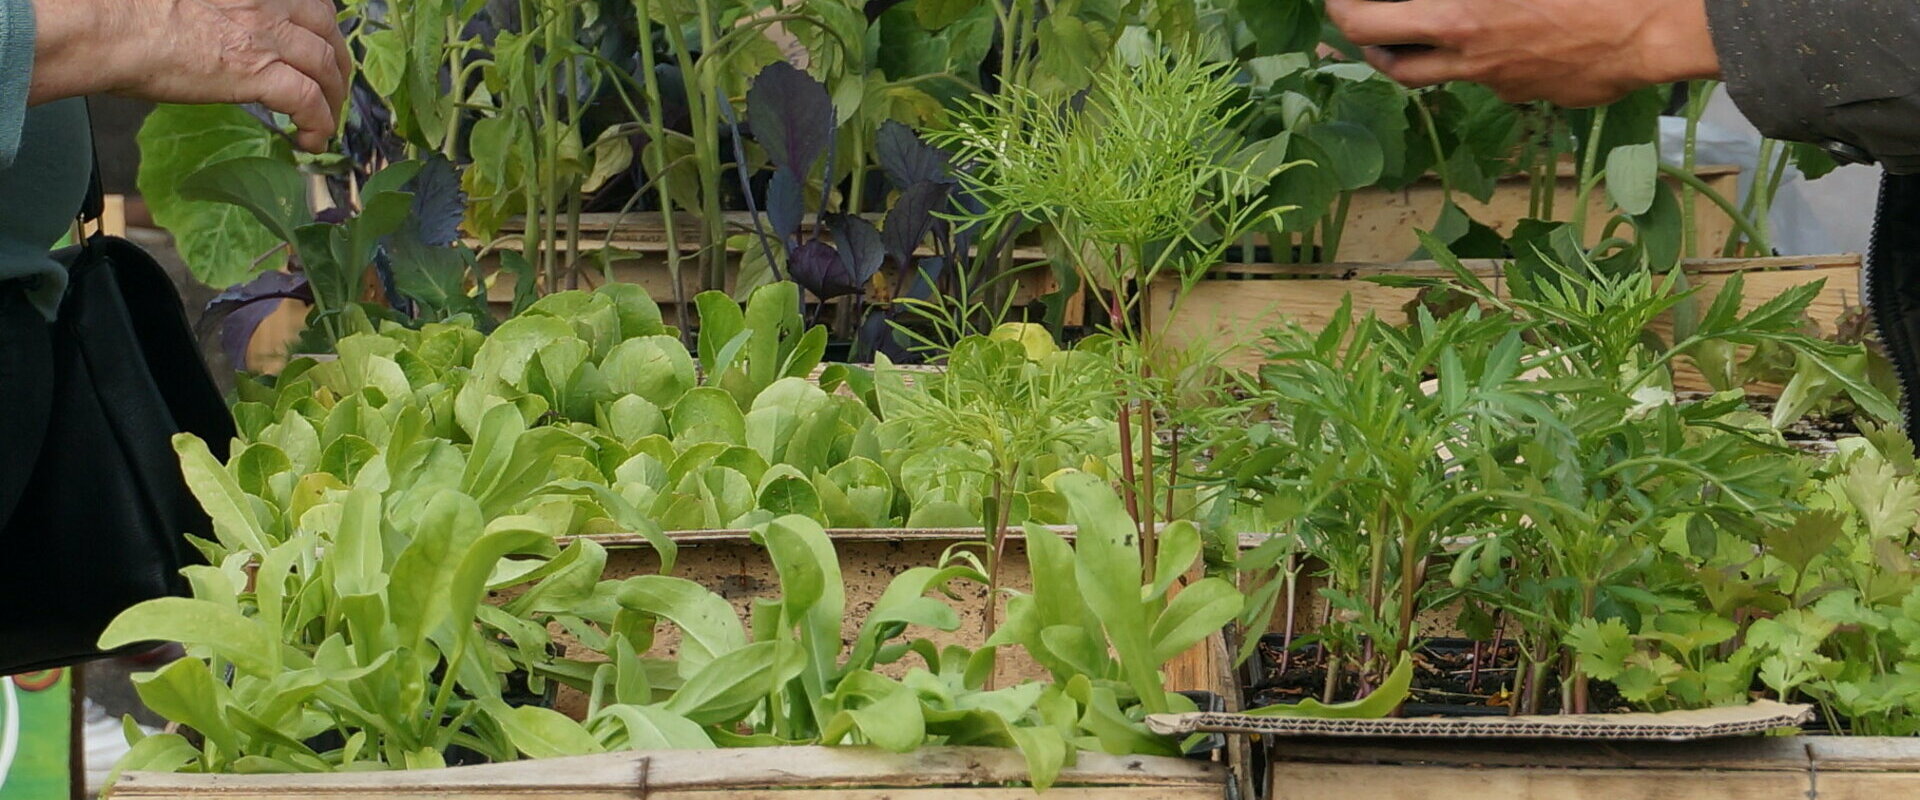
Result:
pixel 1495 499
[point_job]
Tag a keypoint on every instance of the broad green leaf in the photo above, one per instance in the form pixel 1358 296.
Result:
pixel 199 623
pixel 421 585
pixel 1179 546
pixel 185 691
pixel 1107 567
pixel 1633 172
pixel 651 727
pixel 222 244
pixel 656 368
pixel 542 732
pixel 639 315
pixel 791 495
pixel 161 752
pixel 736 682
pixel 1198 611
pixel 709 626
pixel 1356 158
pixel 888 715
pixel 707 414
pixel 231 508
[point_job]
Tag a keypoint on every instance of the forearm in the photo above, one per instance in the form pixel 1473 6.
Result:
pixel 63 64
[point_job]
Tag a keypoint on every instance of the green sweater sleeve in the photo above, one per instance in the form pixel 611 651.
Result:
pixel 16 72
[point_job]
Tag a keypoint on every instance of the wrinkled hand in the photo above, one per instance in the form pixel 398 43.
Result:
pixel 287 55
pixel 1572 52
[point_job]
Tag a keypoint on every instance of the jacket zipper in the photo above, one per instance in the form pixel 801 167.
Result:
pixel 1890 286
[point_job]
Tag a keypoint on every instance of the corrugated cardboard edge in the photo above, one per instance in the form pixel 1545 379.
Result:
pixel 695 537
pixel 1674 726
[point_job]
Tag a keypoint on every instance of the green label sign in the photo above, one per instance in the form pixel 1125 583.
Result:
pixel 35 711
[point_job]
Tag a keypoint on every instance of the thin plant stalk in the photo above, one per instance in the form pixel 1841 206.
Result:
pixel 1589 169
pixel 657 137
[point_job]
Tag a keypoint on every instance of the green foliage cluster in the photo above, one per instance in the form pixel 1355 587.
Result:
pixel 402 531
pixel 1524 457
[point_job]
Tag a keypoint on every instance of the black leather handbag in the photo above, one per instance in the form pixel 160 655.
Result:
pixel 93 507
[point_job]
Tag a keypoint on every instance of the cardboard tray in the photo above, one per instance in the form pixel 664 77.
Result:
pixel 1671 726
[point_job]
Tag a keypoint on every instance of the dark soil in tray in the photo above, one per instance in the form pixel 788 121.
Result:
pixel 1816 433
pixel 1445 682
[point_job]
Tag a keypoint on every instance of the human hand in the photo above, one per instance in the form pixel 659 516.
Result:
pixel 287 55
pixel 1575 53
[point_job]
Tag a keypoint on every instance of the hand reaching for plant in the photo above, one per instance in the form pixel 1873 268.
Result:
pixel 285 54
pixel 1575 53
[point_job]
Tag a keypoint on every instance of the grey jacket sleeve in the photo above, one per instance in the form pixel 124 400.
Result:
pixel 16 72
pixel 1844 74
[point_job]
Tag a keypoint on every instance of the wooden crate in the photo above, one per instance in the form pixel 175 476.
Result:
pixel 1233 306
pixel 773 773
pixel 730 564
pixel 1772 768
pixel 641 240
pixel 1381 224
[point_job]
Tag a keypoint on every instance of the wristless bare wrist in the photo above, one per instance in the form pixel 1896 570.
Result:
pixel 64 63
pixel 1678 46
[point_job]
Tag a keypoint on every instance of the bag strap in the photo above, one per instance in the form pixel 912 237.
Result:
pixel 95 203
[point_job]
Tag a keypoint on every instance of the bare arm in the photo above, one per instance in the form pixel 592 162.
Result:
pixel 285 54
pixel 1573 52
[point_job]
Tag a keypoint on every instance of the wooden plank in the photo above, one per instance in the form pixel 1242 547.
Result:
pixel 1345 782
pixel 1231 314
pixel 646 232
pixel 955 793
pixel 1827 767
pixel 729 563
pixel 794 793
pixel 113 215
pixel 1381 224
pixel 654 774
pixel 1766 753
pixel 1492 267
pixel 1822 785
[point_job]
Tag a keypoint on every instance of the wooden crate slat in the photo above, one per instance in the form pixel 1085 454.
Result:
pixel 1345 782
pixel 1380 224
pixel 1790 768
pixel 1231 314
pixel 716 773
pixel 1745 753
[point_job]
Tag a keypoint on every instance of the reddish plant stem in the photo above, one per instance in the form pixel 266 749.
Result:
pixel 1149 535
pixel 1173 470
pixel 1293 601
pixel 1330 686
pixel 997 549
pixel 1127 478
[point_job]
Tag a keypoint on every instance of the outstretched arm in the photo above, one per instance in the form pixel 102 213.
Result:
pixel 1841 73
pixel 285 54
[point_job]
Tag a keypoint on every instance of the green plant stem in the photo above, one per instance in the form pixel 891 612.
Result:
pixel 1589 176
pixel 1439 153
pixel 1750 219
pixel 1552 167
pixel 997 537
pixel 574 185
pixel 1410 580
pixel 1149 532
pixel 1699 92
pixel 1741 224
pixel 450 137
pixel 699 85
pixel 659 172
pixel 1336 229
